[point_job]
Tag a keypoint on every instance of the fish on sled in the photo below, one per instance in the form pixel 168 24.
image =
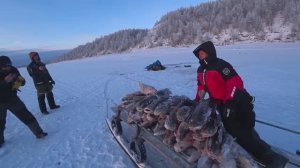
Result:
pixel 156 129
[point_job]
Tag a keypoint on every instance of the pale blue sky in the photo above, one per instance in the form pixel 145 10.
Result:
pixel 61 24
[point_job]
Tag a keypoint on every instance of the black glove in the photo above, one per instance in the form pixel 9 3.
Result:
pixel 52 82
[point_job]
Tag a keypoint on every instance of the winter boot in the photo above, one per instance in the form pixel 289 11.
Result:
pixel 36 130
pixel 42 104
pixel 51 101
pixel 41 135
pixel 55 107
pixel 45 112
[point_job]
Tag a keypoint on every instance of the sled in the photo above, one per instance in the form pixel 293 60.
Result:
pixel 146 150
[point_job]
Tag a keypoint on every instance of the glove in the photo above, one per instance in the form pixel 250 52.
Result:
pixel 52 82
pixel 20 81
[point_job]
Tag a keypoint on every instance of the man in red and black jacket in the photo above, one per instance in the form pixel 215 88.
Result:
pixel 227 93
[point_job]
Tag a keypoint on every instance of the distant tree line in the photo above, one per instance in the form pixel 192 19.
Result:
pixel 238 19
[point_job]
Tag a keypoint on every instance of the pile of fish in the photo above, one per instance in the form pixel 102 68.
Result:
pixel 186 126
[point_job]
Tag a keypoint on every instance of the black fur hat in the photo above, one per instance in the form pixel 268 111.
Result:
pixel 4 61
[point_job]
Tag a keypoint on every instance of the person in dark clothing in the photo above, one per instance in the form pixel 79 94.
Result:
pixel 43 82
pixel 10 81
pixel 227 93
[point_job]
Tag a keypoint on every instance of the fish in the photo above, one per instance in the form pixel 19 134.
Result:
pixel 184 113
pixel 185 143
pixel 178 100
pixel 171 122
pixel 134 117
pixel 132 95
pixel 164 93
pixel 147 123
pixel 181 131
pixel 194 156
pixel 185 125
pixel 199 146
pixel 163 108
pixel 151 117
pixel 145 102
pixel 213 146
pixel 200 115
pixel 147 89
pixel 212 125
pixel 198 136
pixel 151 107
pixel 227 144
pixel 169 138
pixel 160 129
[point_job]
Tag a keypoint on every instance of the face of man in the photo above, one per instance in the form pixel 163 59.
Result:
pixel 202 55
pixel 36 58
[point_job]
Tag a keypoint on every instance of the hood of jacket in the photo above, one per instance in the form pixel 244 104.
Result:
pixel 210 49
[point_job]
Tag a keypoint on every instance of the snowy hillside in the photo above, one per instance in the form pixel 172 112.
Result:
pixel 86 88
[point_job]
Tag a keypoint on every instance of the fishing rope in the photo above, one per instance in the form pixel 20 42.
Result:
pixel 279 127
pixel 106 97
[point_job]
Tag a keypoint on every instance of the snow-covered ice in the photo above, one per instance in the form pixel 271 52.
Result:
pixel 87 88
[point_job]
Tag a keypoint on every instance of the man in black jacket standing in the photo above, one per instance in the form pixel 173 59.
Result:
pixel 10 81
pixel 43 82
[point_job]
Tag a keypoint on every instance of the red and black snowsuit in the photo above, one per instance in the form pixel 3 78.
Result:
pixel 226 91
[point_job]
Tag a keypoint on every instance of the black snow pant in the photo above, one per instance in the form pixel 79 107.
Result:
pixel 18 108
pixel 240 124
pixel 43 91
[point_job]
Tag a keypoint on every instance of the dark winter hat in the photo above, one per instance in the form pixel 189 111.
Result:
pixel 33 54
pixel 4 61
pixel 207 47
pixel 210 49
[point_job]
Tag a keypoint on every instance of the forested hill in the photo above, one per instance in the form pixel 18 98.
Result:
pixel 222 21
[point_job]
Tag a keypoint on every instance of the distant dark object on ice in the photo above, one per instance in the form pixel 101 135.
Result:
pixel 156 66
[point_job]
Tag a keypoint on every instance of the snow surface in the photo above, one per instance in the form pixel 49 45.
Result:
pixel 87 88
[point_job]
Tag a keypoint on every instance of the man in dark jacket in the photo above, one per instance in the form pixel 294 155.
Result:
pixel 227 93
pixel 43 82
pixel 10 81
